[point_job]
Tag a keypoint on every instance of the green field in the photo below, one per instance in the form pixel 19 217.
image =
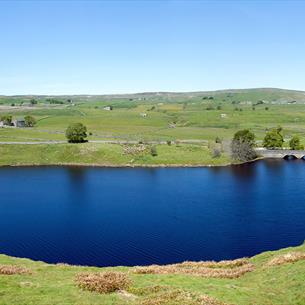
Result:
pixel 170 116
pixel 55 284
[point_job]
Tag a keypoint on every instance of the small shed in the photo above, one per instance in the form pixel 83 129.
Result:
pixel 19 123
pixel 143 115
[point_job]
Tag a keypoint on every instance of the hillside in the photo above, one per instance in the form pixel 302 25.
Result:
pixel 253 95
pixel 271 278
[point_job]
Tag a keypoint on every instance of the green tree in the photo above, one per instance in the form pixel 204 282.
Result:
pixel 33 102
pixel 295 143
pixel 7 120
pixel 242 146
pixel 29 121
pixel 76 133
pixel 274 138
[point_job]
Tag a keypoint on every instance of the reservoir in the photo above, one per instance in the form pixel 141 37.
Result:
pixel 141 216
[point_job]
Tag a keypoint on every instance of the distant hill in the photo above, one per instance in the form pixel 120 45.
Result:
pixel 238 95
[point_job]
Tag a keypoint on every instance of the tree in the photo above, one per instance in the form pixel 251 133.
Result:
pixel 76 133
pixel 274 138
pixel 295 143
pixel 29 121
pixel 7 120
pixel 33 102
pixel 242 146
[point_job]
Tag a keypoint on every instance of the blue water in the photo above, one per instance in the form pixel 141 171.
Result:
pixel 107 217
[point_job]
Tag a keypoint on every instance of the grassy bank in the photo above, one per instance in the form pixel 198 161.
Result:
pixel 279 282
pixel 108 155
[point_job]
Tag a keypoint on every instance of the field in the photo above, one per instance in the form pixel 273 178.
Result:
pixel 272 282
pixel 198 117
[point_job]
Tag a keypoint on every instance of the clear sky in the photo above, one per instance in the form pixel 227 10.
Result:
pixel 97 47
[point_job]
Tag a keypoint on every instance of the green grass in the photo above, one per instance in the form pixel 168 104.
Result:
pixel 54 284
pixel 188 111
pixel 106 154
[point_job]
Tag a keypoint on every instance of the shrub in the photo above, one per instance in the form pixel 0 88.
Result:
pixel 103 282
pixel 169 142
pixel 295 143
pixel 29 121
pixel 218 140
pixel 153 151
pixel 7 120
pixel 76 133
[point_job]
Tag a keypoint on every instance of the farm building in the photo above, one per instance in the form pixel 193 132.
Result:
pixel 108 108
pixel 144 115
pixel 19 123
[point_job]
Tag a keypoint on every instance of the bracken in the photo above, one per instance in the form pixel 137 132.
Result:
pixel 222 269
pixel 103 282
pixel 290 257
pixel 11 269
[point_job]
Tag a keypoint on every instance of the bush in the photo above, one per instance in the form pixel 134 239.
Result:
pixel 7 120
pixel 169 142
pixel 274 138
pixel 295 143
pixel 103 282
pixel 153 151
pixel 76 133
pixel 218 140
pixel 29 121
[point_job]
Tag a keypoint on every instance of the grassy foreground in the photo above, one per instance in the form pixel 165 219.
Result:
pixel 55 284
pixel 108 155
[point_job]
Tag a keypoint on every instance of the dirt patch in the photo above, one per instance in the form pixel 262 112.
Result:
pixel 224 269
pixel 103 282
pixel 289 257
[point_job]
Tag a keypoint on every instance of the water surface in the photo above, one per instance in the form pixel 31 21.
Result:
pixel 112 216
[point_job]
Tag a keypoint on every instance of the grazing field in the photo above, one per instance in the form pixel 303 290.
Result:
pixel 108 155
pixel 197 116
pixel 275 278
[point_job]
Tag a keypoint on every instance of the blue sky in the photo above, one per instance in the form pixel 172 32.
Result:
pixel 97 47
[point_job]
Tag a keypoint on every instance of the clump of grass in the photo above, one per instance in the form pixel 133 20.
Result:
pixel 179 297
pixel 289 257
pixel 12 269
pixel 103 282
pixel 224 269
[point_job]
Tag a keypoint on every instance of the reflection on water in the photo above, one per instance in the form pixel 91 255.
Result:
pixel 116 216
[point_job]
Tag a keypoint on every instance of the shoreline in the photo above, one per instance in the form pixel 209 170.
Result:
pixel 105 165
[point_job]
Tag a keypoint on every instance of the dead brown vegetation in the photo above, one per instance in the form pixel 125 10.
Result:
pixel 223 269
pixel 103 282
pixel 12 269
pixel 289 257
pixel 134 149
pixel 180 297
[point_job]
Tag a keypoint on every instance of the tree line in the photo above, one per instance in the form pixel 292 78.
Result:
pixel 243 143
